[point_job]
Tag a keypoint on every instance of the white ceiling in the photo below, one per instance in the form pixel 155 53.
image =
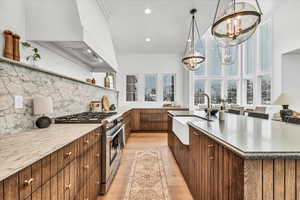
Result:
pixel 167 26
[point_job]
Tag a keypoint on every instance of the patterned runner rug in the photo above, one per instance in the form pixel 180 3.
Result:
pixel 147 180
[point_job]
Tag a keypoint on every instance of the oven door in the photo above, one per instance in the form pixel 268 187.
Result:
pixel 115 144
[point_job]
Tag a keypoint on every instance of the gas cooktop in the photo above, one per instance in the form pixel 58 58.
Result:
pixel 84 118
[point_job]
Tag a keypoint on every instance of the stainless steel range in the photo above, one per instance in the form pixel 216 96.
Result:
pixel 112 141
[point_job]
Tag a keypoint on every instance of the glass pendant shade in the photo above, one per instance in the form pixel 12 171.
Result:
pixel 228 55
pixel 235 22
pixel 193 55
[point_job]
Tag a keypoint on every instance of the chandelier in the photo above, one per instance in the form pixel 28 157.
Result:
pixel 235 22
pixel 192 56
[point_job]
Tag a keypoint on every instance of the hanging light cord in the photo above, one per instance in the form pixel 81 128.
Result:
pixel 187 43
pixel 215 17
pixel 258 6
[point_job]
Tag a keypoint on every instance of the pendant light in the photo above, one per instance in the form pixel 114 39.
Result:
pixel 192 56
pixel 228 55
pixel 235 22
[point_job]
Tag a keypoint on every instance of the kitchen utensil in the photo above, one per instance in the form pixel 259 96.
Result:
pixel 105 103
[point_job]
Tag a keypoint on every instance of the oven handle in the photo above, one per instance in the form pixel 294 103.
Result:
pixel 116 133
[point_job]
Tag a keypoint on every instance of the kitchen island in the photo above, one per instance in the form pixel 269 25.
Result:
pixel 239 158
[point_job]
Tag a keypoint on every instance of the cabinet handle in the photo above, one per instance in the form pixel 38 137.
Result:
pixel 196 134
pixel 210 145
pixel 211 158
pixel 97 134
pixel 86 142
pixel 86 167
pixel 97 155
pixel 67 155
pixel 98 182
pixel 68 186
pixel 28 182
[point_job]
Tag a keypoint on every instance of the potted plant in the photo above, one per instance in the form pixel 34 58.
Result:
pixel 35 56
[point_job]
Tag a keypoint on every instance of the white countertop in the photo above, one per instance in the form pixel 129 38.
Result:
pixel 251 137
pixel 21 150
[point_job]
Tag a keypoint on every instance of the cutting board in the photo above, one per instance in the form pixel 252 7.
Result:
pixel 105 103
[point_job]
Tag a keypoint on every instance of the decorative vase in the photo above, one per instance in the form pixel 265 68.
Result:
pixel 16 47
pixel 285 113
pixel 9 47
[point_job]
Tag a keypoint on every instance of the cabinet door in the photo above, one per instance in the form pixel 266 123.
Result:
pixel 73 189
pixel 46 169
pixel 53 183
pixel 135 120
pixel 46 191
pixel 60 185
pixel 67 185
pixel 37 195
pixel 53 164
pixel 1 191
pixel 25 181
pixel 36 173
pixel 11 188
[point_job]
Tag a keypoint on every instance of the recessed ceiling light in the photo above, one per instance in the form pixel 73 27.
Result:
pixel 148 11
pixel 89 51
pixel 148 39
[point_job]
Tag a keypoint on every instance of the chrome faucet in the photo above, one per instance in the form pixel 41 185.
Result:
pixel 208 105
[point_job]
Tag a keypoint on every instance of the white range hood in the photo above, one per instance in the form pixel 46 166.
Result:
pixel 76 29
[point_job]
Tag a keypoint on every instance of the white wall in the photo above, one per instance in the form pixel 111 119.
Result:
pixel 143 64
pixel 285 39
pixel 290 76
pixel 13 17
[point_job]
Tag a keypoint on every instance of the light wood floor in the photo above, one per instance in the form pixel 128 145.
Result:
pixel 142 141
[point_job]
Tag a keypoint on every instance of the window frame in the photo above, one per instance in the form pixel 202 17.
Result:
pixel 162 84
pixel 156 88
pixel 137 88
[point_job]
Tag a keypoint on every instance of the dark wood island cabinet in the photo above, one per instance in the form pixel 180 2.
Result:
pixel 215 171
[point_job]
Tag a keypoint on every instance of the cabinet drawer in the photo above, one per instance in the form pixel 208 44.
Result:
pixel 11 188
pixel 46 191
pixel 25 181
pixel 1 191
pixel 69 153
pixel 86 143
pixel 95 135
pixel 46 169
pixel 36 173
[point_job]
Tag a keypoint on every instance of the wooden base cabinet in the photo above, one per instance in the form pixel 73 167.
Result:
pixel 71 173
pixel 214 172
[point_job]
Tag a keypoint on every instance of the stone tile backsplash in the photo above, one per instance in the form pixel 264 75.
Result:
pixel 69 96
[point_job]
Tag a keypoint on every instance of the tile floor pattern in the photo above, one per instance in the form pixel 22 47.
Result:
pixel 178 189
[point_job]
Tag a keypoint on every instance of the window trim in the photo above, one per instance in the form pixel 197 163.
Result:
pixel 137 88
pixel 162 84
pixel 156 88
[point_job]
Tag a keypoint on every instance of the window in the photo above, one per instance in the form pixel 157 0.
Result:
pixel 265 89
pixel 232 91
pixel 169 88
pixel 249 92
pixel 265 47
pixel 150 87
pixel 199 89
pixel 232 69
pixel 131 88
pixel 250 58
pixel 214 61
pixel 216 91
